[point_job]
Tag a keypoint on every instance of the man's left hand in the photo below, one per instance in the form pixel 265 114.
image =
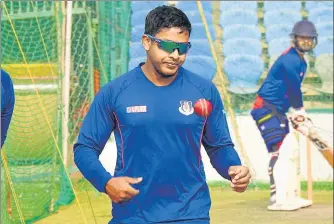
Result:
pixel 240 177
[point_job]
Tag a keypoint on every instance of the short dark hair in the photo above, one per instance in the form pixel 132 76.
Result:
pixel 166 17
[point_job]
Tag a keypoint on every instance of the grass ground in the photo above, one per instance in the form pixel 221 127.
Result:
pixel 227 207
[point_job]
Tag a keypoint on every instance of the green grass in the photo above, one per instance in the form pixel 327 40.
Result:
pixel 227 207
pixel 33 198
pixel 317 186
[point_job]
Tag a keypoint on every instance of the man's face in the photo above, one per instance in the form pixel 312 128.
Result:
pixel 305 43
pixel 166 63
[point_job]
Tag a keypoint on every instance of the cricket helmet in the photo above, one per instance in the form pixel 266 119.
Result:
pixel 304 28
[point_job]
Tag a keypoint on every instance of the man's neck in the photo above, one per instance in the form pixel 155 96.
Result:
pixel 157 79
pixel 301 54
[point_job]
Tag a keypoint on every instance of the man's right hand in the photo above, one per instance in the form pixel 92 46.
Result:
pixel 119 189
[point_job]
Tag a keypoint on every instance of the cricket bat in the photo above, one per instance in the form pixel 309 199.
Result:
pixel 324 148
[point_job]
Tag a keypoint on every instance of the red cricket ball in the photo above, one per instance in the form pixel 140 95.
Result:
pixel 203 107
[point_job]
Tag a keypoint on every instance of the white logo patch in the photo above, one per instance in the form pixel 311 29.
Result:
pixel 136 109
pixel 186 107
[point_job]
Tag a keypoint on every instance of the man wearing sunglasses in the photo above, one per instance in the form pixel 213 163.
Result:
pixel 281 91
pixel 159 175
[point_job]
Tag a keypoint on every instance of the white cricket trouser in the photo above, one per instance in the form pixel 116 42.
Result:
pixel 285 171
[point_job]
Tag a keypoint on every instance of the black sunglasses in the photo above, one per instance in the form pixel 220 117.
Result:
pixel 170 46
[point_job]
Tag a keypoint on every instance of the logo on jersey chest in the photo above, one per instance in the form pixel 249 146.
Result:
pixel 186 107
pixel 136 109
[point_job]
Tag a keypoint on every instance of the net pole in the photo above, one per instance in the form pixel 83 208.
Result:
pixel 55 167
pixel 66 82
pixel 90 54
pixel 297 163
pixel 309 170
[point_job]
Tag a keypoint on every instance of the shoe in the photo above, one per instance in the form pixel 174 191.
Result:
pixel 284 207
pixel 303 203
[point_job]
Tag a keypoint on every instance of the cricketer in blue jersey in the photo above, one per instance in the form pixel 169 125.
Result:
pixel 7 104
pixel 281 91
pixel 159 175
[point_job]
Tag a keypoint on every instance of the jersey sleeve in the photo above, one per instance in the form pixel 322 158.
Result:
pixel 8 100
pixel 94 134
pixel 216 138
pixel 293 84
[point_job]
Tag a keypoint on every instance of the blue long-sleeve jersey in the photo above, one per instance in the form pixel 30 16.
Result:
pixel 282 86
pixel 7 104
pixel 158 137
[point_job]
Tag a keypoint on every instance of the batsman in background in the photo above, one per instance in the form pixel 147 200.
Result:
pixel 159 175
pixel 7 104
pixel 281 91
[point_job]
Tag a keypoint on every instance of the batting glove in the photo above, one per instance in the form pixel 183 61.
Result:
pixel 301 122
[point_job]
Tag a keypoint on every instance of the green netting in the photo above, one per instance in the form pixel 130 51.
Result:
pixel 114 32
pixel 98 52
pixel 34 163
pixel 82 83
